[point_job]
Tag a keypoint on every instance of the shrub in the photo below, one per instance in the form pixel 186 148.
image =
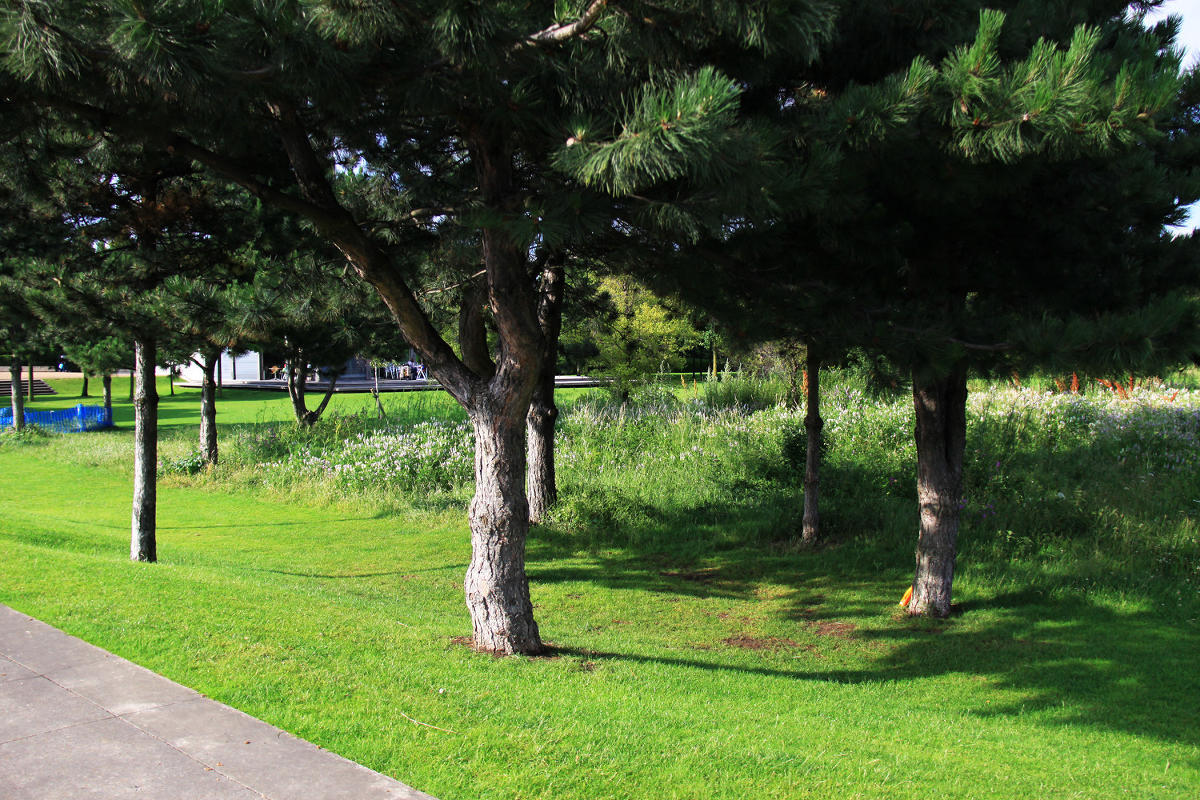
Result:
pixel 27 436
pixel 189 464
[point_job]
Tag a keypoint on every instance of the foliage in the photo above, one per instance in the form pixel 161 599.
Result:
pixel 736 390
pixel 427 457
pixel 102 356
pixel 643 335
pixel 25 437
pixel 189 464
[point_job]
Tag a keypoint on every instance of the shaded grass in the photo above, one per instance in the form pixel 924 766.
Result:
pixel 697 653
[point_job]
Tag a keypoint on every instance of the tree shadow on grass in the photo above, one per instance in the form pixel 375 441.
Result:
pixel 253 524
pixel 1085 666
pixel 1074 661
pixel 351 575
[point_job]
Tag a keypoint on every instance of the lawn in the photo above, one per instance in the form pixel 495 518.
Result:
pixel 696 652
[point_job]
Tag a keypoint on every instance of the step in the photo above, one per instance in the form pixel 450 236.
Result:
pixel 40 387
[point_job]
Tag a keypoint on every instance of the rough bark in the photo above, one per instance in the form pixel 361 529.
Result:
pixel 208 406
pixel 106 382
pixel 143 546
pixel 84 391
pixel 542 486
pixel 539 422
pixel 497 590
pixel 30 384
pixel 18 395
pixel 941 435
pixel 813 426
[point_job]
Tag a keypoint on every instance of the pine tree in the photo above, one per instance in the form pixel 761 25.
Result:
pixel 1011 214
pixel 441 112
pixel 1049 195
pixel 130 221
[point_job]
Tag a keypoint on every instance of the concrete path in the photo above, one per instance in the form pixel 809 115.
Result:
pixel 78 722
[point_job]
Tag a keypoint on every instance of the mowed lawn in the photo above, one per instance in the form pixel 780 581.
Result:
pixel 748 672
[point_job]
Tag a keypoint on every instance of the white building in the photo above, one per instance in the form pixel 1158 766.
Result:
pixel 243 367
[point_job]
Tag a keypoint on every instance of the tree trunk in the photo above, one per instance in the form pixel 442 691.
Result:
pixel 375 394
pixel 941 435
pixel 813 425
pixel 145 453
pixel 18 395
pixel 297 386
pixel 496 587
pixel 84 392
pixel 208 406
pixel 497 590
pixel 543 413
pixel 132 373
pixel 296 382
pixel 30 387
pixel 106 382
pixel 312 416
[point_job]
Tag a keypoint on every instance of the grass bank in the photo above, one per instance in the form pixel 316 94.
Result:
pixel 697 652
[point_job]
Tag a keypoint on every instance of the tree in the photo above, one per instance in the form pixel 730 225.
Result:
pixel 640 335
pixel 321 318
pixel 16 333
pixel 203 317
pixel 913 149
pixel 991 265
pixel 1010 195
pixel 132 219
pixel 283 98
pixel 100 356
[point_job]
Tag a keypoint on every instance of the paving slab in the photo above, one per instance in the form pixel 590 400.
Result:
pixel 37 705
pixel 12 671
pixel 255 753
pixel 121 686
pixel 41 648
pixel 78 722
pixel 109 759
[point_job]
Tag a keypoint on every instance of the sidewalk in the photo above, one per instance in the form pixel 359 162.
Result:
pixel 78 722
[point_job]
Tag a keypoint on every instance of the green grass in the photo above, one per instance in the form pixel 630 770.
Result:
pixel 698 654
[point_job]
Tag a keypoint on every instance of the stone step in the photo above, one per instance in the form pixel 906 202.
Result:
pixel 40 387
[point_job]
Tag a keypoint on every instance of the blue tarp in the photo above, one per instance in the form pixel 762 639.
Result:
pixel 69 420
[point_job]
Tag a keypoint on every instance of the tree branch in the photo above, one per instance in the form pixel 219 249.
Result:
pixel 998 347
pixel 569 30
pixel 472 333
pixel 311 175
pixel 439 290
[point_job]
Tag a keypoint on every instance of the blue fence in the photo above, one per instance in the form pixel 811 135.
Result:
pixel 69 420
